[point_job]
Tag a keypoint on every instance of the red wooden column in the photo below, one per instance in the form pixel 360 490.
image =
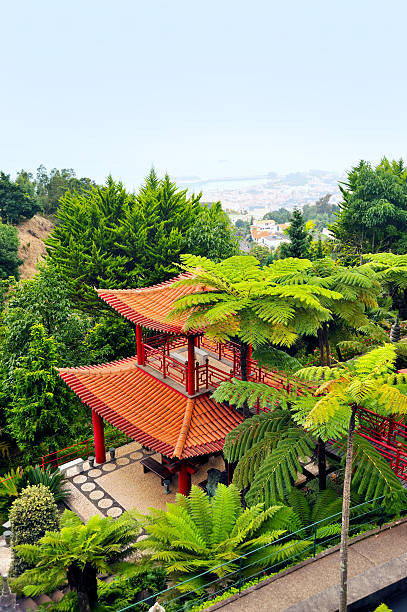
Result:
pixel 184 479
pixel 191 365
pixel 139 341
pixel 249 356
pixel 99 438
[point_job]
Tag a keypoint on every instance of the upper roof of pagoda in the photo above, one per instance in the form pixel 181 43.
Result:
pixel 150 306
pixel 149 411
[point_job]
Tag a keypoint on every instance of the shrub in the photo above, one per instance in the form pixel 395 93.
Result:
pixel 31 515
pixel 54 480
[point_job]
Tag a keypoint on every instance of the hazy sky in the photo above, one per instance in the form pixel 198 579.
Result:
pixel 214 88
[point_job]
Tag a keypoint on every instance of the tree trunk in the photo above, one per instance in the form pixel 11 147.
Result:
pixel 84 582
pixel 338 350
pixel 244 351
pixel 321 345
pixel 321 465
pixel 343 555
pixel 326 343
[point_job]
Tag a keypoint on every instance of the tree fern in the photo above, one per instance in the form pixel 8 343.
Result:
pixel 279 470
pixel 373 476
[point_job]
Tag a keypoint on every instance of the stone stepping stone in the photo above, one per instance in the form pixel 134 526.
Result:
pixel 80 479
pixel 108 467
pixel 98 494
pixel 123 461
pixel 88 486
pixel 115 512
pixel 105 502
pixel 95 473
pixel 136 455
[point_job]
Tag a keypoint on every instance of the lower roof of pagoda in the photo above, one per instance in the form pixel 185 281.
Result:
pixel 150 306
pixel 149 411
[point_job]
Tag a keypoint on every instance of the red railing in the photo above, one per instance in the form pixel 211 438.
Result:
pixel 79 450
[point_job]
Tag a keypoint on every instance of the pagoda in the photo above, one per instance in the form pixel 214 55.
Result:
pixel 161 396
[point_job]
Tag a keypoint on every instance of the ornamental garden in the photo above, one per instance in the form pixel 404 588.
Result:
pixel 182 420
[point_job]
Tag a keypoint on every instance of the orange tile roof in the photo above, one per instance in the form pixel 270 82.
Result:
pixel 256 233
pixel 149 411
pixel 149 306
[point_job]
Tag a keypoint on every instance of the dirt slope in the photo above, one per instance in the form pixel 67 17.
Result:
pixel 32 234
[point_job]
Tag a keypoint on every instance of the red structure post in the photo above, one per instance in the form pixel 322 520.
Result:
pixel 139 341
pixel 184 479
pixel 99 437
pixel 249 364
pixel 191 365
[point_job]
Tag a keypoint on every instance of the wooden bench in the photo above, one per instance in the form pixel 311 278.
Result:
pixel 151 465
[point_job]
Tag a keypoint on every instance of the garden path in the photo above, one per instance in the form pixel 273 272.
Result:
pixel 314 586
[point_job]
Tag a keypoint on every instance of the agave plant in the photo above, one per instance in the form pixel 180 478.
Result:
pixel 54 480
pixel 200 541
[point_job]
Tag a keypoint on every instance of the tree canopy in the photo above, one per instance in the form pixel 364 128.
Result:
pixel 373 211
pixel 15 201
pixel 109 238
pixel 300 238
pixel 9 259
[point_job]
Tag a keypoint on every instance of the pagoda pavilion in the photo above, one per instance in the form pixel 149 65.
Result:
pixel 161 396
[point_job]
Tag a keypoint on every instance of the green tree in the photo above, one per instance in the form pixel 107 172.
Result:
pixel 77 553
pixel 42 413
pixel 367 382
pixel 42 300
pixel 242 300
pixel 9 259
pixel 373 211
pixel 212 235
pixel 15 202
pixel 32 514
pixel 152 233
pixel 196 535
pixel 300 238
pixel 109 238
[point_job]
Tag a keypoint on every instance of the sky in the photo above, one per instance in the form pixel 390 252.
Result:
pixel 208 89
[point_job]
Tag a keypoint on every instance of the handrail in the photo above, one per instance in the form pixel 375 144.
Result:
pixel 313 527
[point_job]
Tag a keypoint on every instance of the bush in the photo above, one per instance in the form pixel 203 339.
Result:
pixel 54 480
pixel 31 515
pixel 9 259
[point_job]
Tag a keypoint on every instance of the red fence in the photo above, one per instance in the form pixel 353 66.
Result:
pixel 82 450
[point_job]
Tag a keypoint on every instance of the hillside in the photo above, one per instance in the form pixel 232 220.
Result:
pixel 32 234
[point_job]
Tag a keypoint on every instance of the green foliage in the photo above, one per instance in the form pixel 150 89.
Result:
pixel 15 202
pixel 9 259
pixel 49 188
pixel 373 212
pixel 123 591
pixel 195 535
pixel 77 552
pixel 212 235
pixel 258 305
pixel 373 476
pixel 109 339
pixel 31 516
pixel 10 489
pixel 108 238
pixel 42 409
pixel 42 300
pixel 54 480
pixel 300 238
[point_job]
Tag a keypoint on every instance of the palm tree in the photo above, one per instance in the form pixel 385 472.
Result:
pixel 367 381
pixel 77 553
pixel 238 298
pixel 199 541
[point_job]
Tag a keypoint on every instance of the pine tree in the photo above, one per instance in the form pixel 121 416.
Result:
pixel 42 410
pixel 300 239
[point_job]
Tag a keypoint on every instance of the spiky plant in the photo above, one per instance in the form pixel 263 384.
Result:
pixel 54 480
pixel 77 553
pixel 196 536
